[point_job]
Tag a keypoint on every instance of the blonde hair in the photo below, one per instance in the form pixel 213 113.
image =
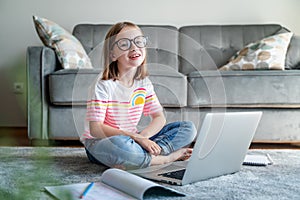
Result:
pixel 111 67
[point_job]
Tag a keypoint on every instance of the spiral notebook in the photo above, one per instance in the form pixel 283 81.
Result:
pixel 258 160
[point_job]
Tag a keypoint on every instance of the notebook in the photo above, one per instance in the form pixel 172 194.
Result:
pixel 220 149
pixel 258 160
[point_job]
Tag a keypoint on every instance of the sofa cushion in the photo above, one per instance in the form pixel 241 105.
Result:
pixel 208 47
pixel 68 49
pixel 70 87
pixel 293 54
pixel 170 86
pixel 66 122
pixel 268 53
pixel 162 49
pixel 92 38
pixel 244 89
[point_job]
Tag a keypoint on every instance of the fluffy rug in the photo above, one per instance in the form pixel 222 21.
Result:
pixel 24 171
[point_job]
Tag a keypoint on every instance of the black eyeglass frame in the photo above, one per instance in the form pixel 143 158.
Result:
pixel 130 44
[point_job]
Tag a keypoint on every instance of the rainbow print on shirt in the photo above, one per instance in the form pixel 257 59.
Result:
pixel 138 97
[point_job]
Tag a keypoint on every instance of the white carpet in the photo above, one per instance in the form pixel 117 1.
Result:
pixel 24 171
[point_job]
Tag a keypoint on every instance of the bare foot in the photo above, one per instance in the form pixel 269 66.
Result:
pixel 180 154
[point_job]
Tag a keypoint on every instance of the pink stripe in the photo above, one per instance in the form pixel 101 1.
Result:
pixel 133 112
pixel 102 101
pixel 95 113
pixel 152 107
pixel 139 89
pixel 87 135
pixel 96 107
pixel 94 117
pixel 151 111
pixel 112 125
pixel 147 97
pixel 124 119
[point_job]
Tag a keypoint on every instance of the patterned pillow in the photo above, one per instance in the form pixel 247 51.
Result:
pixel 69 50
pixel 268 53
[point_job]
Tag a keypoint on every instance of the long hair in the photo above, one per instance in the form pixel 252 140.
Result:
pixel 111 67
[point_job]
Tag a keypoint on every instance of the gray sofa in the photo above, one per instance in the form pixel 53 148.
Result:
pixel 183 64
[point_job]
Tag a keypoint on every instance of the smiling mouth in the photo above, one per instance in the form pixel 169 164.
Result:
pixel 135 56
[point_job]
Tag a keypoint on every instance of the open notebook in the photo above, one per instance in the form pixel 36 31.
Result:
pixel 115 184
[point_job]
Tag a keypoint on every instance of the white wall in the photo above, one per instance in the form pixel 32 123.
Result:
pixel 17 30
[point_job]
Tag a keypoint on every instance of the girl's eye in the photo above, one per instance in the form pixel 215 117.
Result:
pixel 139 42
pixel 123 43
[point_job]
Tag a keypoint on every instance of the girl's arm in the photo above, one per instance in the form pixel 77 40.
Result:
pixel 100 130
pixel 157 123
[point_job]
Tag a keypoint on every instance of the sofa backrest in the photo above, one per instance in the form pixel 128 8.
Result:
pixel 92 37
pixel 208 47
pixel 189 48
pixel 162 49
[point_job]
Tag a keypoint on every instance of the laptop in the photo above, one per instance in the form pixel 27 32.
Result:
pixel 220 149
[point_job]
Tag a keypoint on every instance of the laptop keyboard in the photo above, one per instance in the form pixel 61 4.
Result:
pixel 175 174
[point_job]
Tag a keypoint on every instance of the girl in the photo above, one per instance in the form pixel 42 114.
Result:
pixel 117 102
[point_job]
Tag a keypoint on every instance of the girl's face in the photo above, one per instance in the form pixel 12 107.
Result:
pixel 129 48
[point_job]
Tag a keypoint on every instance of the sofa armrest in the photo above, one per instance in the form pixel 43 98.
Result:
pixel 293 54
pixel 40 62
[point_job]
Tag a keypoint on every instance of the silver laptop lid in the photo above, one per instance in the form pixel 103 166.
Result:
pixel 221 145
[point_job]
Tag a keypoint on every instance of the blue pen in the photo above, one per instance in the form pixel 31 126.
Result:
pixel 87 189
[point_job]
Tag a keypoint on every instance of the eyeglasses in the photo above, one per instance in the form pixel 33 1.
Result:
pixel 125 43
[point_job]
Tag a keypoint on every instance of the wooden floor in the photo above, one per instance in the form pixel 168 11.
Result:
pixel 18 137
pixel 14 137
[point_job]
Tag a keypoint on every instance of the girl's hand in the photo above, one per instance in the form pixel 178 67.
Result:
pixel 147 144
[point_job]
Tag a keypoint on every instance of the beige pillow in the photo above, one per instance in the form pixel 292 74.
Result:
pixel 268 53
pixel 69 50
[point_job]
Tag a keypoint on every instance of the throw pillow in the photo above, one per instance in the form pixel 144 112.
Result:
pixel 268 53
pixel 69 50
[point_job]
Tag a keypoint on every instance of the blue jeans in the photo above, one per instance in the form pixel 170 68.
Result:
pixel 123 151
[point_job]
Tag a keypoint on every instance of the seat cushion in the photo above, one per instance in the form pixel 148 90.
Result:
pixel 170 86
pixel 70 87
pixel 66 122
pixel 244 89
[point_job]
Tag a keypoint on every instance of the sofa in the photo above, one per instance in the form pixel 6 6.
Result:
pixel 184 65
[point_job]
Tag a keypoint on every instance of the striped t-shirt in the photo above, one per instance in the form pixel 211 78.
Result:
pixel 118 106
